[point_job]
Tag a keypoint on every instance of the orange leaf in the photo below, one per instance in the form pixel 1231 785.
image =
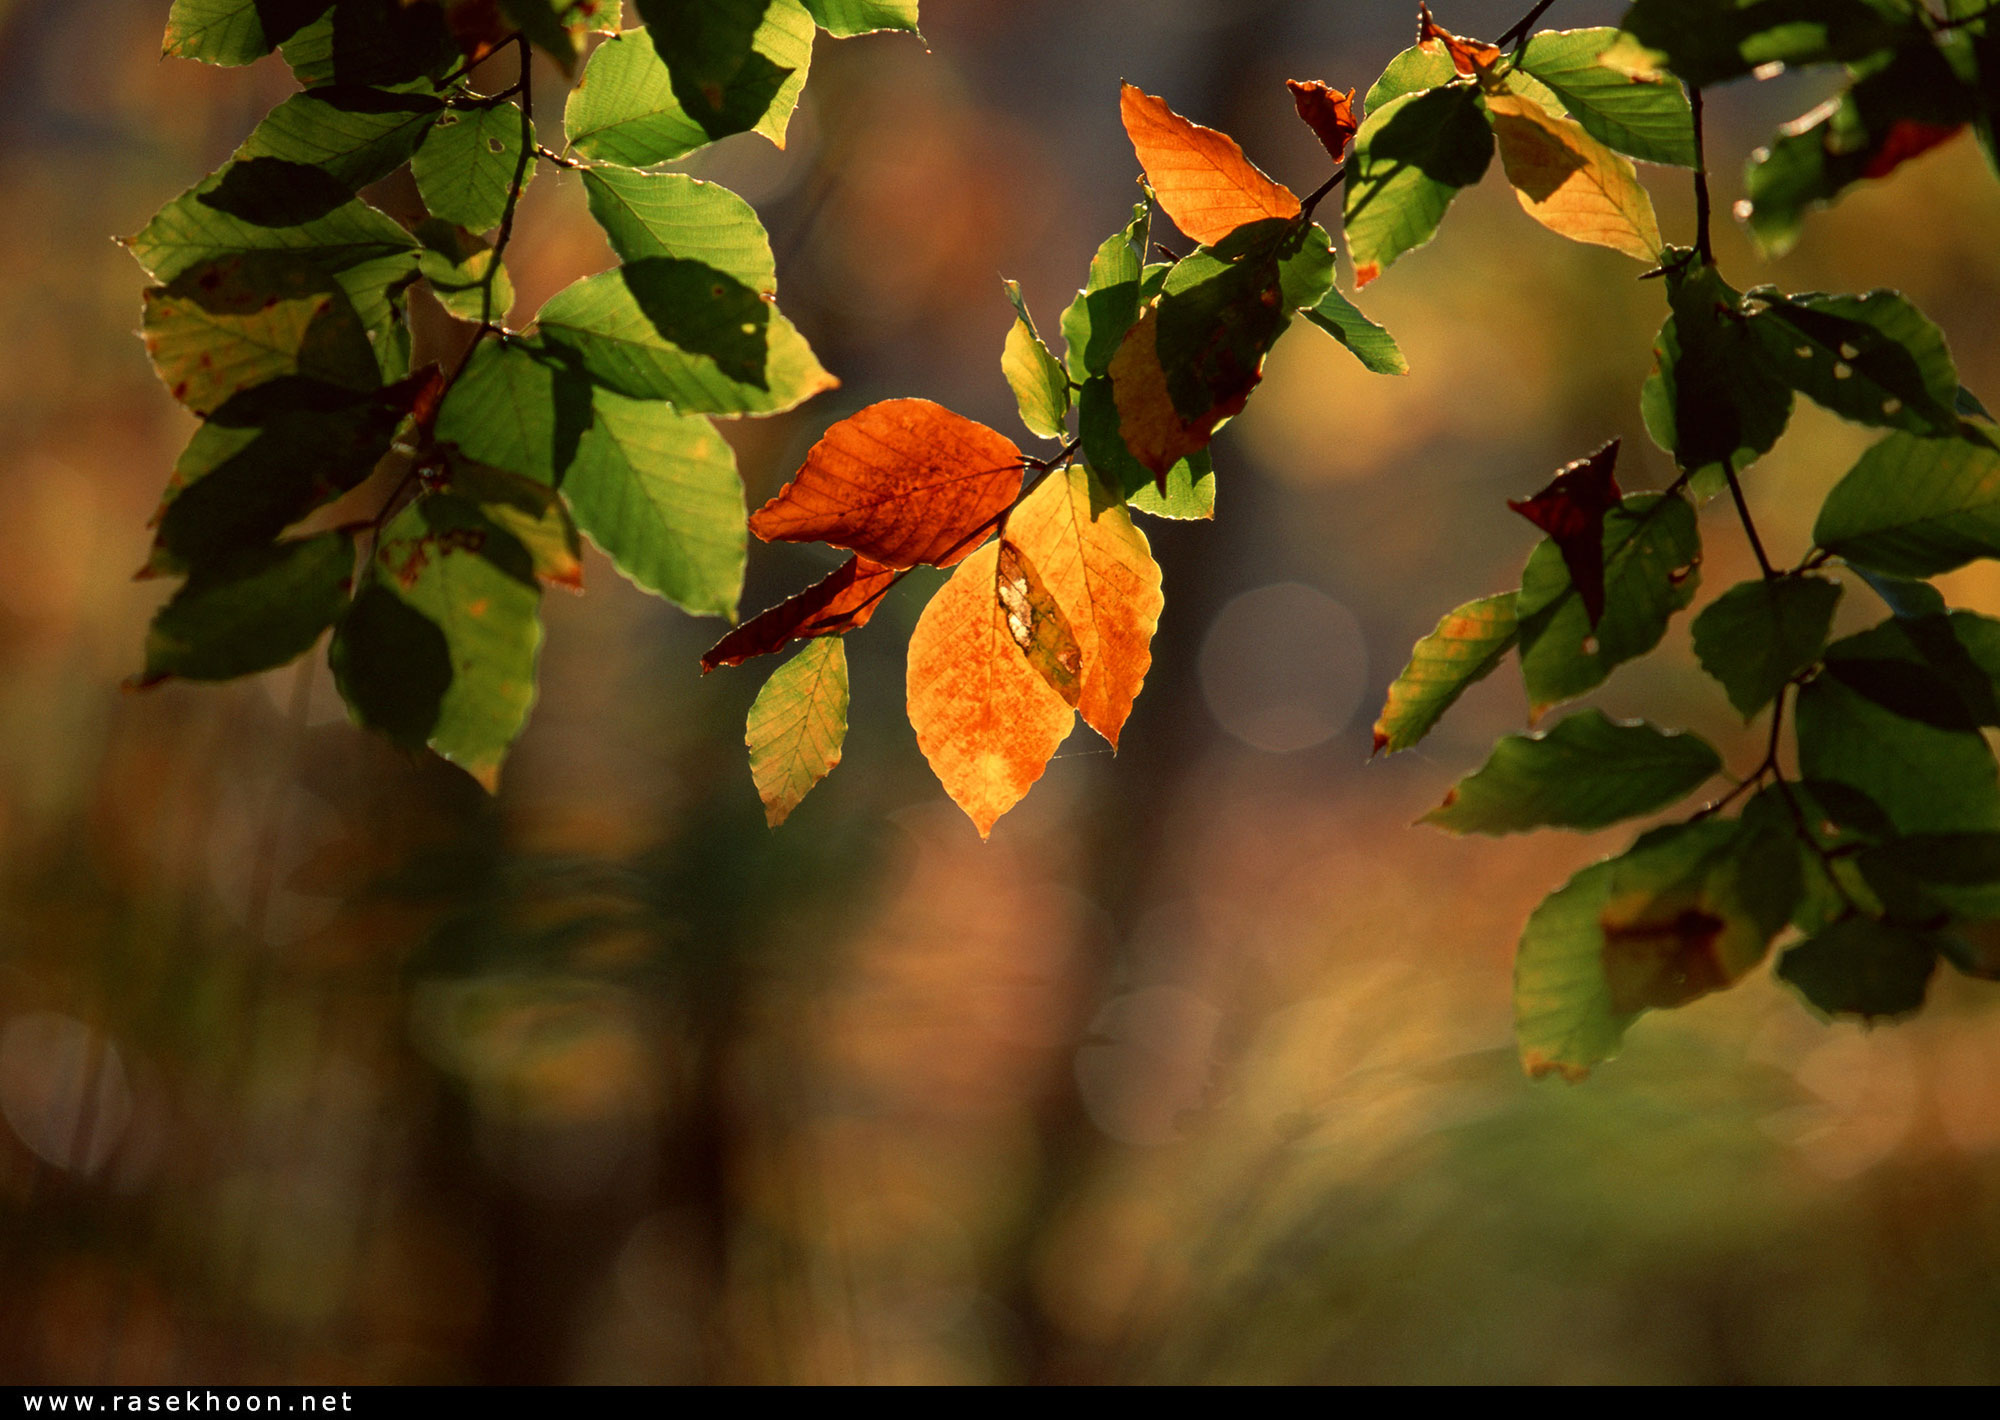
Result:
pixel 1036 623
pixel 1328 114
pixel 840 601
pixel 902 482
pixel 1468 56
pixel 985 719
pixel 1156 432
pixel 1571 183
pixel 1201 178
pixel 1101 572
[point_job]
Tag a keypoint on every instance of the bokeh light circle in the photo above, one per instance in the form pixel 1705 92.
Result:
pixel 1283 667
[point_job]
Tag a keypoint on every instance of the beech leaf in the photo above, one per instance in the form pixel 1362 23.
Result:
pixel 1037 623
pixel 1571 511
pixel 1203 181
pixel 797 725
pixel 1571 183
pixel 840 601
pixel 1466 647
pixel 1327 112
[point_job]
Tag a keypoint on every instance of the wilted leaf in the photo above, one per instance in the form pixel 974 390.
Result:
pixel 1758 635
pixel 1648 119
pixel 1466 646
pixel 985 718
pixel 251 611
pixel 1410 159
pixel 1036 622
pixel 1862 967
pixel 1571 183
pixel 796 726
pixel 1468 56
pixel 1100 572
pixel 1587 772
pixel 842 600
pixel 1041 388
pixel 901 482
pixel 1327 112
pixel 466 166
pixel 1202 180
pixel 1571 511
pixel 1873 358
pixel 1916 507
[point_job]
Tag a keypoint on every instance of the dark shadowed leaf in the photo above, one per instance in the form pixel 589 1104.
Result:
pixel 1711 399
pixel 1708 41
pixel 1571 511
pixel 1758 635
pixel 1862 967
pixel 1096 321
pixel 626 110
pixel 1873 358
pixel 235 31
pixel 248 612
pixel 1928 780
pixel 456 264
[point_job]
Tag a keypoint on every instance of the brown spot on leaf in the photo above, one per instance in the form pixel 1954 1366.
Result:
pixel 1663 964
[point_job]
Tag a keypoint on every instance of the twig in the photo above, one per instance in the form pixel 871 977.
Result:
pixel 1313 198
pixel 1771 574
pixel 1519 29
pixel 1701 244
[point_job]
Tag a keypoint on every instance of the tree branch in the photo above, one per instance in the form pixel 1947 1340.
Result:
pixel 1771 574
pixel 1519 29
pixel 1701 213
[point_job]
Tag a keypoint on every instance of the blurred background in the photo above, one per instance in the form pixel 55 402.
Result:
pixel 318 1064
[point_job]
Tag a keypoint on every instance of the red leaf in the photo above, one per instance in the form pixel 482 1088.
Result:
pixel 1328 114
pixel 1571 511
pixel 1906 138
pixel 840 601
pixel 902 482
pixel 1468 56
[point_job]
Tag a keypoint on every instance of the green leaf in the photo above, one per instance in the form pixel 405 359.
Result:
pixel 1928 780
pixel 247 613
pixel 659 493
pixel 1874 358
pixel 1648 119
pixel 531 513
pixel 672 214
pixel 1468 644
pixel 1711 399
pixel 378 42
pixel 240 321
pixel 1108 304
pixel 520 405
pixel 392 665
pixel 1410 72
pixel 673 328
pixel 1916 507
pixel 796 726
pixel 1708 41
pixel 1587 772
pixel 1862 967
pixel 625 109
pixel 455 263
pixel 475 584
pixel 264 460
pixel 314 150
pixel 235 31
pixel 1758 635
pixel 1409 160
pixel 1934 669
pixel 466 166
pixel 1651 552
pixel 1373 346
pixel 1687 910
pixel 187 232
pixel 858 17
pixel 1190 483
pixel 1041 389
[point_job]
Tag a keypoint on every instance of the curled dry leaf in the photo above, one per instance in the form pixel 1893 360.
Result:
pixel 1037 623
pixel 1201 178
pixel 840 601
pixel 1328 113
pixel 985 718
pixel 1468 56
pixel 902 482
pixel 1571 511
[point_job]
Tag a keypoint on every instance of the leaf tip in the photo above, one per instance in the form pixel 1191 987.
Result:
pixel 1537 1065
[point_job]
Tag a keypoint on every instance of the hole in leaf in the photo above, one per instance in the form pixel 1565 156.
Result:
pixel 1842 370
pixel 494 145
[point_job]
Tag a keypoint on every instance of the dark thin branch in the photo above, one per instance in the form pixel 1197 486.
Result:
pixel 550 155
pixel 1771 574
pixel 1313 198
pixel 1701 213
pixel 1941 24
pixel 1519 29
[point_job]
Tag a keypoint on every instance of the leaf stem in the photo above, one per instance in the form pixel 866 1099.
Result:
pixel 1519 29
pixel 1313 198
pixel 1771 574
pixel 1701 205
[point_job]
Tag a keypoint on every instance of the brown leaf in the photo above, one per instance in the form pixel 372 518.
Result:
pixel 1101 572
pixel 1037 623
pixel 840 601
pixel 1571 511
pixel 1468 56
pixel 902 482
pixel 1201 178
pixel 985 718
pixel 1329 114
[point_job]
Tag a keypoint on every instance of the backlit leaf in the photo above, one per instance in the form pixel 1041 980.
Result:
pixel 984 717
pixel 1096 321
pixel 251 611
pixel 1711 399
pixel 520 405
pixel 1862 967
pixel 1372 345
pixel 531 513
pixel 313 151
pixel 1915 507
pixel 672 214
pixel 1571 511
pixel 1873 358
pixel 188 231
pixel 1708 41
pixel 1099 570
pixel 659 493
pixel 1329 113
pixel 467 164
pixel 1758 635
pixel 1202 180
pixel 840 601
pixel 1036 622
pixel 1648 119
pixel 1651 555
pixel 796 726
pixel 1928 780
pixel 672 328
pixel 1041 388
pixel 1417 68
pixel 901 482
pixel 1571 183
pixel 1587 772
pixel 1189 490
pixel 1410 159
pixel 455 263
pixel 1468 56
pixel 1465 648
pixel 235 31
pixel 855 17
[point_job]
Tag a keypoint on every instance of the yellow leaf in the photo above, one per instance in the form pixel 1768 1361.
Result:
pixel 985 718
pixel 797 725
pixel 1101 572
pixel 1571 183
